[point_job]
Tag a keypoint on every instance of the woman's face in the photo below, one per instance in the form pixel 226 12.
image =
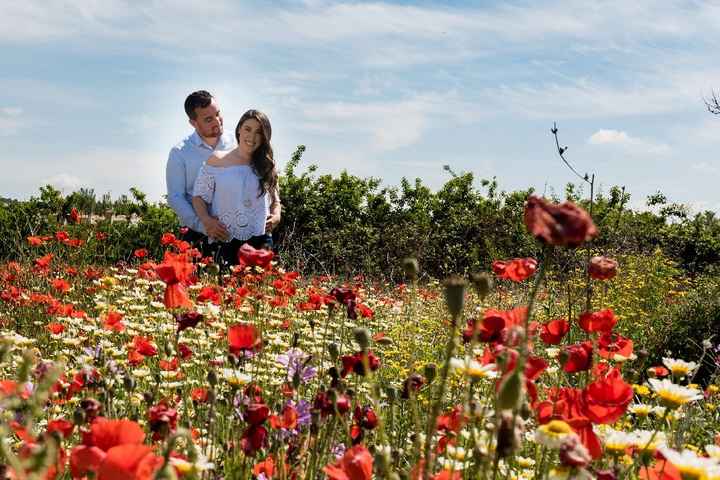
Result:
pixel 250 136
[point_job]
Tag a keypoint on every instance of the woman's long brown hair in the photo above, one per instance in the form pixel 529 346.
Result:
pixel 262 160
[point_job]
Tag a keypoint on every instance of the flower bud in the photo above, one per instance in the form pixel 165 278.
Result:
pixel 509 435
pixel 411 267
pixel 510 395
pixel 455 294
pixel 212 378
pixel 129 383
pixel 482 282
pixel 334 351
pixel 213 269
pixel 429 372
pixel 362 337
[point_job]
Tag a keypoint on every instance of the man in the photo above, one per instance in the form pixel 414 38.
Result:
pixel 184 163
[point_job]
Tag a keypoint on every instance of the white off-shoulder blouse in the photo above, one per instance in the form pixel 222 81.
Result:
pixel 231 193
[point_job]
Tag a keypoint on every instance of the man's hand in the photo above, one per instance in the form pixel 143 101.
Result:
pixel 215 229
pixel 272 221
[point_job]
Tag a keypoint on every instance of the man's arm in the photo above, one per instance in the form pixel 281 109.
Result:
pixel 175 180
pixel 273 218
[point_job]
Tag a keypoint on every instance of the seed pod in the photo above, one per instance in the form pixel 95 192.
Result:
pixel 510 395
pixel 334 351
pixel 482 282
pixel 362 337
pixel 455 295
pixel 411 268
pixel 430 372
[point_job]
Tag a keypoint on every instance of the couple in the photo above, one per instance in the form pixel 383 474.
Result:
pixel 225 192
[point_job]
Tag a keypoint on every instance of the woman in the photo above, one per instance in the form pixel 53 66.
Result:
pixel 240 186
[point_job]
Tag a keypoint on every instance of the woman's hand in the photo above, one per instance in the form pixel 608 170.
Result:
pixel 272 221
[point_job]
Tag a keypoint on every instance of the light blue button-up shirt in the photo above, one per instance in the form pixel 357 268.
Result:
pixel 183 165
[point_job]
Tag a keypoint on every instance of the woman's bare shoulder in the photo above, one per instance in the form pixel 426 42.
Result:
pixel 217 159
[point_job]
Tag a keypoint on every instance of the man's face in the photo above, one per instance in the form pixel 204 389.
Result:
pixel 208 122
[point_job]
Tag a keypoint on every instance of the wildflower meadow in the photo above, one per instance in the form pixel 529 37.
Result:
pixel 165 366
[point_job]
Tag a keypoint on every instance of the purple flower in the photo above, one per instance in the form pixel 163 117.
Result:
pixel 296 361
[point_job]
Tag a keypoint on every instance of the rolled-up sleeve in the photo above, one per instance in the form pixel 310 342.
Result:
pixel 175 179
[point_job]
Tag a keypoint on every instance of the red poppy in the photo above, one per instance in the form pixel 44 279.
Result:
pixel 64 427
pixel 516 270
pixel 562 225
pixel 209 294
pixel 113 321
pixel 568 404
pixel 74 215
pixel 84 459
pixel 167 238
pixel 56 328
pixel 602 321
pixel 162 420
pixel 266 468
pixel 661 470
pixel 607 398
pixel 188 320
pixel 287 419
pixel 184 351
pixel 602 268
pixel 578 357
pixel 140 253
pixel 35 241
pixel 553 331
pixel 44 261
pixel 613 345
pixel 243 337
pixel 356 464
pixel 658 371
pixel 144 346
pixel 495 324
pixel 356 363
pixel 175 271
pixel 130 462
pixel 106 434
pixel 248 256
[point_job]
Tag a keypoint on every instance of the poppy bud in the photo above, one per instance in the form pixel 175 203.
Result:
pixel 212 378
pixel 391 393
pixel 78 416
pixel 334 351
pixel 455 294
pixel 508 435
pixel 411 267
pixel 213 269
pixel 129 383
pixel 482 282
pixel 362 337
pixel 511 391
pixel 430 372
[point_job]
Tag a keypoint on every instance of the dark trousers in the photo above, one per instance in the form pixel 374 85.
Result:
pixel 199 241
pixel 227 253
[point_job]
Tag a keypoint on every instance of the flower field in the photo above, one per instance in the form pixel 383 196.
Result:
pixel 171 368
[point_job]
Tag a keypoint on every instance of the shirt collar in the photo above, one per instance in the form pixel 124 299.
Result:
pixel 222 144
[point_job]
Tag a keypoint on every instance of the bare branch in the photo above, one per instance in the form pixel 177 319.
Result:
pixel 562 150
pixel 713 103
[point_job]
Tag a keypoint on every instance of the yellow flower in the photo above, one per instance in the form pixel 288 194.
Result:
pixel 641 390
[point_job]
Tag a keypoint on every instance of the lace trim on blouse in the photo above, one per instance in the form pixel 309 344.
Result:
pixel 232 196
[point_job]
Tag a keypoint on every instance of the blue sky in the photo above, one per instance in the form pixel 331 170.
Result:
pixel 91 91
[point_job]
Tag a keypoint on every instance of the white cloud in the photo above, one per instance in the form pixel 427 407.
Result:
pixel 627 143
pixel 11 121
pixel 64 182
pixel 706 168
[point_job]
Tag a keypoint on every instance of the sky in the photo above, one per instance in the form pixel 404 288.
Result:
pixel 92 91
